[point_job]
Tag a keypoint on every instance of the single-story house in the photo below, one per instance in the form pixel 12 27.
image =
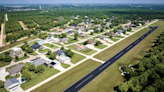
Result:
pixel 41 42
pixel 81 24
pixel 64 40
pixel 54 63
pixel 98 25
pixel 102 37
pixel 107 39
pixel 56 40
pixel 83 35
pixel 16 52
pixel 91 41
pixel 36 46
pixel 39 61
pixel 64 59
pixel 111 34
pixel 119 32
pixel 70 32
pixel 16 69
pixel 11 83
pixel 80 47
pixel 90 30
pixel 89 46
pixel 60 53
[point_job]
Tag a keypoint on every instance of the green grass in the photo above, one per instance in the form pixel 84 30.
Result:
pixel 115 40
pixel 65 65
pixel 112 76
pixel 85 37
pixel 76 58
pixel 2 63
pixel 87 52
pixel 51 46
pixel 38 78
pixel 71 41
pixel 44 50
pixel 17 43
pixel 101 46
pixel 119 36
pixel 33 42
pixel 65 80
pixel 58 44
pixel 3 90
pixel 22 58
pixel 126 34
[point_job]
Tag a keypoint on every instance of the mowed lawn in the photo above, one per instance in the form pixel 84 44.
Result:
pixel 65 80
pixel 111 77
pixel 76 58
pixel 50 45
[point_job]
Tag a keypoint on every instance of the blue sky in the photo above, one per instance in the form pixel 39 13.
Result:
pixel 77 1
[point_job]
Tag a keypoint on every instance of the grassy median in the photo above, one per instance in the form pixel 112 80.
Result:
pixel 111 77
pixel 65 80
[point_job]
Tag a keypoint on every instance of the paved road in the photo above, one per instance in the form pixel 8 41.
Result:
pixel 85 80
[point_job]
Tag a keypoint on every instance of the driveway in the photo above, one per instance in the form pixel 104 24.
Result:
pixel 60 68
pixel 3 74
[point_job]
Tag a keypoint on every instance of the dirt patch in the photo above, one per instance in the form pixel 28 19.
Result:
pixel 23 25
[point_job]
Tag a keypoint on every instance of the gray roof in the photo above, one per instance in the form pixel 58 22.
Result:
pixel 119 31
pixel 38 62
pixel 9 82
pixel 15 69
pixel 60 52
pixel 14 53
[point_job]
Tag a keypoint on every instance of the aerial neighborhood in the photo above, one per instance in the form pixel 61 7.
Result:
pixel 49 44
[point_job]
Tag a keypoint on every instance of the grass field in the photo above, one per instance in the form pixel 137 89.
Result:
pixel 44 50
pixel 38 78
pixel 51 46
pixel 111 77
pixel 3 90
pixel 119 36
pixel 115 40
pixel 65 80
pixel 87 52
pixel 71 41
pixel 101 46
pixel 76 58
pixel 22 58
pixel 65 65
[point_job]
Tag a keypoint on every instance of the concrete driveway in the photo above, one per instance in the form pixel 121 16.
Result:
pixel 3 74
pixel 60 68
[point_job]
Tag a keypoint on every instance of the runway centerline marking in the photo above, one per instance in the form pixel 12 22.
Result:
pixel 83 81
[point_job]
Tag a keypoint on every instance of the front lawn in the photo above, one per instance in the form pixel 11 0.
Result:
pixel 39 78
pixel 65 65
pixel 115 40
pixel 86 51
pixel 21 58
pixel 71 40
pixel 3 90
pixel 44 50
pixel 65 80
pixel 101 46
pixel 119 36
pixel 76 58
pixel 33 42
pixel 51 46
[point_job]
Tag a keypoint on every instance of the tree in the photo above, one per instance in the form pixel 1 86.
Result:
pixel 85 43
pixel 49 52
pixel 23 47
pixel 115 30
pixel 7 58
pixel 129 29
pixel 29 50
pixel 124 32
pixel 31 67
pixel 16 58
pixel 75 37
pixel 25 54
pixel 62 48
pixel 40 69
pixel 1 84
pixel 26 75
pixel 35 43
pixel 69 53
pixel 25 42
pixel 110 37
pixel 91 33
pixel 23 68
pixel 63 35
pixel 96 31
pixel 124 87
pixel 52 56
pixel 97 43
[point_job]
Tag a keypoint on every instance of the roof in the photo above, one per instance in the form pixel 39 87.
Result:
pixel 64 39
pixel 16 49
pixel 9 82
pixel 102 37
pixel 38 62
pixel 106 39
pixel 41 41
pixel 14 53
pixel 36 46
pixel 64 58
pixel 111 33
pixel 60 52
pixel 82 34
pixel 54 62
pixel 89 46
pixel 91 41
pixel 119 31
pixel 80 46
pixel 15 69
pixel 70 32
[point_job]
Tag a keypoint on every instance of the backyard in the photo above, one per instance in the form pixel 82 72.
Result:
pixel 51 46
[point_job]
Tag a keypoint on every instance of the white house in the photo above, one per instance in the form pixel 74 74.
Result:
pixel 11 83
pixel 89 46
pixel 106 39
pixel 119 32
pixel 54 63
pixel 89 31
pixel 64 59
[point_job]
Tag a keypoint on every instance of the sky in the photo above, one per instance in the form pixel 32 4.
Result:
pixel 78 1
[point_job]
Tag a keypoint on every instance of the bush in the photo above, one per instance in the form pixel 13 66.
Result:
pixel 8 77
pixel 1 84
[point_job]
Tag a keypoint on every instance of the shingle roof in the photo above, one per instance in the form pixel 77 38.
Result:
pixel 9 82
pixel 70 32
pixel 36 46
pixel 91 41
pixel 15 69
pixel 60 52
pixel 64 58
pixel 38 62
pixel 14 53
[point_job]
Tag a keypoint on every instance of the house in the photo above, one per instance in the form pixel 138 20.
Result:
pixel 98 25
pixel 64 59
pixel 70 32
pixel 83 35
pixel 16 52
pixel 111 34
pixel 130 26
pixel 80 47
pixel 89 46
pixel 39 61
pixel 91 41
pixel 16 69
pixel 119 32
pixel 56 40
pixel 89 31
pixel 106 39
pixel 102 37
pixel 36 46
pixel 60 53
pixel 81 24
pixel 54 63
pixel 60 30
pixel 64 40
pixel 51 36
pixel 11 83
pixel 41 42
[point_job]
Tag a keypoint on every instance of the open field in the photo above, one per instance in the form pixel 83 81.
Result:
pixel 21 58
pixel 115 40
pixel 44 50
pixel 38 78
pixel 50 46
pixel 65 65
pixel 65 80
pixel 111 77
pixel 101 46
pixel 76 58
